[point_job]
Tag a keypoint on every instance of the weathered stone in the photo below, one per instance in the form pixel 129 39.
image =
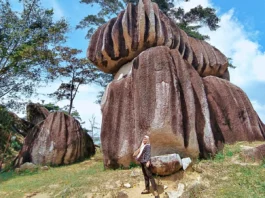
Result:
pixel 27 166
pixel 254 154
pixel 186 162
pixel 44 168
pixel 125 37
pixel 166 164
pixel 36 113
pixel 127 185
pixel 58 140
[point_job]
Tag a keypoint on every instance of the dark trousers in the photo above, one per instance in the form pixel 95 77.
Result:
pixel 148 177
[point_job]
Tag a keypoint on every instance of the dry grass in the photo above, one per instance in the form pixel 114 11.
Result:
pixel 224 176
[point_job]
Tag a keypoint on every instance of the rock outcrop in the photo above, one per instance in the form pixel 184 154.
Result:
pixel 36 113
pixel 253 154
pixel 163 96
pixel 58 140
pixel 144 26
pixel 169 86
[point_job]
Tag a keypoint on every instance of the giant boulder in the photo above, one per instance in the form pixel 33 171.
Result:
pixel 163 96
pixel 167 85
pixel 58 140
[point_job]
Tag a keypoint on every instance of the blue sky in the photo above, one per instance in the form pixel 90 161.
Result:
pixel 241 37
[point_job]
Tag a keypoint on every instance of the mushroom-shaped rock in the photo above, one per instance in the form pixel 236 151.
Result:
pixel 58 140
pixel 166 164
pixel 143 26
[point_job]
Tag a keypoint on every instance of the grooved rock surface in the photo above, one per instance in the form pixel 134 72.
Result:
pixel 167 85
pixel 58 140
pixel 143 26
pixel 166 164
pixel 36 113
pixel 232 115
pixel 162 95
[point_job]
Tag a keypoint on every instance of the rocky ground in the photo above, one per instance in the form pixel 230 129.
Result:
pixel 226 175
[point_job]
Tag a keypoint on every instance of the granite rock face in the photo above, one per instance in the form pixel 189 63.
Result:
pixel 167 85
pixel 58 140
pixel 163 96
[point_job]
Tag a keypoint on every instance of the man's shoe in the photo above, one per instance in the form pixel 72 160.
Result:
pixel 145 192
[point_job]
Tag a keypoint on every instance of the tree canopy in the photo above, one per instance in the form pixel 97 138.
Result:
pixel 27 47
pixel 185 20
pixel 77 71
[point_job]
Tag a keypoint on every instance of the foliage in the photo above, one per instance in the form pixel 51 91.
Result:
pixel 185 20
pixel 27 47
pixel 53 108
pixel 218 179
pixel 79 71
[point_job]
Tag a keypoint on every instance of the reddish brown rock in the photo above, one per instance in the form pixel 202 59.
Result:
pixel 162 95
pixel 166 164
pixel 58 140
pixel 144 26
pixel 36 113
pixel 232 115
pixel 167 85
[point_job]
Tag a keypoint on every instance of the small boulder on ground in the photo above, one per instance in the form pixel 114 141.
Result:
pixel 27 166
pixel 186 162
pixel 253 154
pixel 166 164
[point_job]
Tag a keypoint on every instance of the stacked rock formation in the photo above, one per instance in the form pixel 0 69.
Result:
pixel 36 113
pixel 57 140
pixel 168 85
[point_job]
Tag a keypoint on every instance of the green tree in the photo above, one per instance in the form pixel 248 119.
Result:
pixel 78 71
pixel 6 130
pixel 185 20
pixel 27 47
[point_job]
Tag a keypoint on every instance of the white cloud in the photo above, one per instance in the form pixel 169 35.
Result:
pixel 236 42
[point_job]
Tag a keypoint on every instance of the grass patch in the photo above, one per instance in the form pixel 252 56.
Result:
pixel 218 177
